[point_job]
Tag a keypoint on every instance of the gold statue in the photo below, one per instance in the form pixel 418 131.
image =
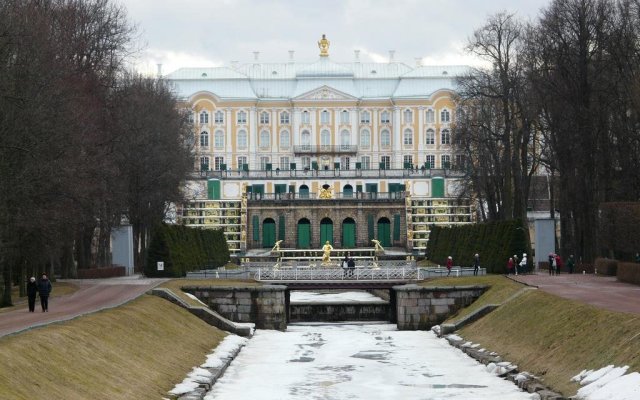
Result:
pixel 243 235
pixel 276 247
pixel 326 255
pixel 378 247
pixel 324 44
pixel 409 234
pixel 325 193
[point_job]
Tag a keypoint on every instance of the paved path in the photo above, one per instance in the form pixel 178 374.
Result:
pixel 598 290
pixel 92 295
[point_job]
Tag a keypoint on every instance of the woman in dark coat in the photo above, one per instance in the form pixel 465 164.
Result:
pixel 32 291
pixel 44 289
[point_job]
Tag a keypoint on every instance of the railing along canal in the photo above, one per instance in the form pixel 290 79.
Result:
pixel 336 274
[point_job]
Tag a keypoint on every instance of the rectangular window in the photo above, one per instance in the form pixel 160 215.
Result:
pixel 219 118
pixel 217 163
pixel 306 162
pixel 204 163
pixel 264 118
pixel 445 161
pixel 384 118
pixel 430 137
pixel 306 118
pixel 241 161
pixel 345 162
pixel 344 117
pixel 365 117
pixel 430 117
pixel 263 163
pixel 408 116
pixel 407 161
pixel 284 118
pixel 460 162
pixel 385 162
pixel 431 161
pixel 242 117
pixel 365 162
pixel 284 163
pixel 324 117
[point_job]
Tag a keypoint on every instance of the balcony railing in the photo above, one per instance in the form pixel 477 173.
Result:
pixel 355 196
pixel 325 149
pixel 330 173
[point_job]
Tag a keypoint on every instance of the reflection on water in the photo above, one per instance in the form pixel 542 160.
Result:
pixel 356 362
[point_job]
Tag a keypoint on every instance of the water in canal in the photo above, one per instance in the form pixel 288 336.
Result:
pixel 349 361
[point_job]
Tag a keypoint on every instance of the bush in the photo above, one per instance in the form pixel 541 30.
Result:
pixel 629 272
pixel 606 266
pixel 184 249
pixel 494 241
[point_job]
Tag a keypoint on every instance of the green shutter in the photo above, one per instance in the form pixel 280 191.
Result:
pixel 359 188
pixel 348 235
pixel 281 188
pixel 437 187
pixel 268 233
pixel 281 226
pixel 213 189
pixel 370 227
pixel 255 221
pixel 396 227
pixel 304 235
pixel 258 188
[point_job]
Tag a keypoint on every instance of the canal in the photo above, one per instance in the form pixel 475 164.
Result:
pixel 352 361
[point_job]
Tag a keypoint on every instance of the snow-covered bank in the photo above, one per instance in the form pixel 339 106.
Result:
pixel 334 297
pixel 357 362
pixel 608 383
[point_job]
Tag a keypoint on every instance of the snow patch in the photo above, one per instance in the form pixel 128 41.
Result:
pixel 608 383
pixel 192 297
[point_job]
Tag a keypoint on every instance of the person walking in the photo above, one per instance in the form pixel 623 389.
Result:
pixel 510 265
pixel 32 292
pixel 476 264
pixel 571 263
pixel 44 289
pixel 559 264
pixel 523 263
pixel 351 265
pixel 515 263
pixel 551 261
pixel 345 265
pixel 449 265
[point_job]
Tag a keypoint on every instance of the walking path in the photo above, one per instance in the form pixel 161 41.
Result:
pixel 92 295
pixel 597 290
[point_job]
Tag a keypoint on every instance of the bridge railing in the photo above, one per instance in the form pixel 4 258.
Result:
pixel 335 274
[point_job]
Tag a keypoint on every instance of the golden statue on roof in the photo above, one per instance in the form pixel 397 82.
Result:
pixel 324 44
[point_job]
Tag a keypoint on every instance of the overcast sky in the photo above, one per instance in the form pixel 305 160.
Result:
pixel 206 33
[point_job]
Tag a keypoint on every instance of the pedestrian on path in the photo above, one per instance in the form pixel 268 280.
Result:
pixel 32 292
pixel 351 265
pixel 552 260
pixel 559 264
pixel 476 264
pixel 523 264
pixel 510 265
pixel 449 265
pixel 515 263
pixel 345 265
pixel 44 289
pixel 571 263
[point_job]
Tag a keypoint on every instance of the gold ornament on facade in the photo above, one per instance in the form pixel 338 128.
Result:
pixel 323 45
pixel 409 234
pixel 326 193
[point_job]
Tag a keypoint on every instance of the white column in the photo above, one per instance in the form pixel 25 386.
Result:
pixel 229 142
pixel 253 143
pixel 275 135
pixel 295 127
pixel 396 161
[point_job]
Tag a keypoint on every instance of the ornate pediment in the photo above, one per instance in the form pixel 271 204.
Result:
pixel 325 93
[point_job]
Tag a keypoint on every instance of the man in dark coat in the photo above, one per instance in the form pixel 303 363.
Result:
pixel 32 291
pixel 351 265
pixel 44 289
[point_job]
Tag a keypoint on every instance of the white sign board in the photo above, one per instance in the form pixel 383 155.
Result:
pixel 160 265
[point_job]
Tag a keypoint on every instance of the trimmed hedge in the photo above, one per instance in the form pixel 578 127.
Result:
pixel 184 249
pixel 629 272
pixel 606 266
pixel 494 241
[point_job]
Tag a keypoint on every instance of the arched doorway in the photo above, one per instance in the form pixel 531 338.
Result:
pixel 303 192
pixel 326 231
pixel 304 234
pixel 347 191
pixel 348 233
pixel 384 232
pixel 268 232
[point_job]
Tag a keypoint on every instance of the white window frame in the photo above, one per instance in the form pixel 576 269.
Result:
pixel 445 136
pixel 430 160
pixel 345 139
pixel 430 137
pixel 407 137
pixel 445 116
pixel 241 161
pixel 385 117
pixel 204 117
pixel 284 118
pixel 265 139
pixel 264 160
pixel 345 162
pixel 205 160
pixel 407 158
pixel 284 163
pixel 444 160
pixel 344 117
pixel 204 139
pixel 430 116
pixel 264 118
pixel 219 117
pixel 365 162
pixel 306 162
pixel 385 138
pixel 407 116
pixel 241 117
pixel 218 139
pixel 242 139
pixel 387 162
pixel 305 117
pixel 325 117
pixel 365 117
pixel 285 139
pixel 217 163
pixel 365 138
pixel 325 138
pixel 305 140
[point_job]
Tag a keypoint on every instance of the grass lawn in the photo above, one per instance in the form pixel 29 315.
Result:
pixel 136 351
pixel 59 289
pixel 176 285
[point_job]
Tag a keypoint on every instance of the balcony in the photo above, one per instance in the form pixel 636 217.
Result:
pixel 306 173
pixel 306 196
pixel 325 149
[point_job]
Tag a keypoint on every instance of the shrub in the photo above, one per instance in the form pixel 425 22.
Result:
pixel 184 249
pixel 494 241
pixel 606 266
pixel 629 272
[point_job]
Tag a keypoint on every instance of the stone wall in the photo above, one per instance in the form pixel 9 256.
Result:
pixel 420 308
pixel 310 312
pixel 262 305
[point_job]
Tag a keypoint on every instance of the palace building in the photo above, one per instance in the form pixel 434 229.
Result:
pixel 323 151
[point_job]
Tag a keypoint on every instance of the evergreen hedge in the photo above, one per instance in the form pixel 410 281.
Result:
pixel 495 242
pixel 184 249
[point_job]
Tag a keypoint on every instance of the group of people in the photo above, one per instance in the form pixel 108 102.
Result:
pixel 515 265
pixel 556 264
pixel 476 264
pixel 348 265
pixel 40 287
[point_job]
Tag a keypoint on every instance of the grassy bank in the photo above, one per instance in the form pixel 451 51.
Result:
pixel 549 336
pixel 137 351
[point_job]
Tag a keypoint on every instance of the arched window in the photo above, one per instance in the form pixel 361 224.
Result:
pixel 407 138
pixel 384 117
pixel 345 139
pixel 385 138
pixel 284 139
pixel 264 117
pixel 242 117
pixel 324 117
pixel 265 139
pixel 445 116
pixel 204 117
pixel 305 140
pixel 242 139
pixel 204 139
pixel 218 139
pixel 284 118
pixel 344 117
pixel 365 138
pixel 430 117
pixel 325 138
pixel 408 116
pixel 306 118
pixel 445 136
pixel 219 117
pixel 430 137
